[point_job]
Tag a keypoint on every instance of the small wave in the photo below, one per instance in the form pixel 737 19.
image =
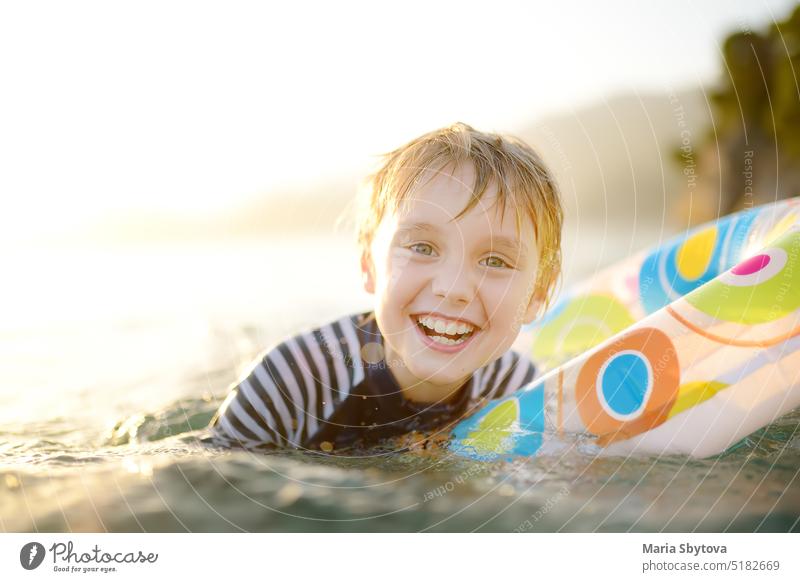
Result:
pixel 185 415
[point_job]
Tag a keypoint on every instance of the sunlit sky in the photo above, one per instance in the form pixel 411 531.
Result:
pixel 190 106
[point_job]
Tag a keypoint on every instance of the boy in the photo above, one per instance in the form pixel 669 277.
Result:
pixel 460 245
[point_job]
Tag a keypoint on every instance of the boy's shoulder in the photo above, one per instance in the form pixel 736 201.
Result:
pixel 344 338
pixel 335 337
pixel 331 353
pixel 507 374
pixel 359 321
pixel 296 383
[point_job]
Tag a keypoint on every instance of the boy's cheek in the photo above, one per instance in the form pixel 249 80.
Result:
pixel 398 257
pixel 398 268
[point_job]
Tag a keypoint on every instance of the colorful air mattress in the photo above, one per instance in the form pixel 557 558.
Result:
pixel 683 349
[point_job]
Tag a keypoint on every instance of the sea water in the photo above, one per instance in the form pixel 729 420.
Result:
pixel 113 360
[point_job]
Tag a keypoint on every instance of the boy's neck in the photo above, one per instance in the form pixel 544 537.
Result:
pixel 423 392
pixel 426 393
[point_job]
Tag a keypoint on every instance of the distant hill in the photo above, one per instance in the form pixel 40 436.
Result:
pixel 615 162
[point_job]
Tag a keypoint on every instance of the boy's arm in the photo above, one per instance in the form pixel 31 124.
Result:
pixel 290 389
pixel 506 375
pixel 249 414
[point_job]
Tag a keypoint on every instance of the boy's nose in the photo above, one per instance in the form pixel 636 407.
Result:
pixel 452 282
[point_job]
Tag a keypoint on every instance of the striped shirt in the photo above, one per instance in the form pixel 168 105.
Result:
pixel 324 385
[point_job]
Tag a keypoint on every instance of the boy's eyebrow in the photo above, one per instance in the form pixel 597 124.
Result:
pixel 510 244
pixel 417 226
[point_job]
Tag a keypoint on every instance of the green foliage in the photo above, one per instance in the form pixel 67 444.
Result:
pixel 760 98
pixel 751 153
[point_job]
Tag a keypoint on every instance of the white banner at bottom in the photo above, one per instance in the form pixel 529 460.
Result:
pixel 410 557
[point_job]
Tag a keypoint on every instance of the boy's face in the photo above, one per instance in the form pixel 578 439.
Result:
pixel 473 275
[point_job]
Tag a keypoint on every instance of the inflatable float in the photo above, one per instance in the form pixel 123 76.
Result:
pixel 682 349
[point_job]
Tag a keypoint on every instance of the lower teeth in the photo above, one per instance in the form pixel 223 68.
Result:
pixel 447 341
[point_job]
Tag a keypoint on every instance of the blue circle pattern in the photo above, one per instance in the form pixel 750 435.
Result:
pixel 624 383
pixel 731 238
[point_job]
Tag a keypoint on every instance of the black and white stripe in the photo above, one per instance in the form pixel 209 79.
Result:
pixel 302 381
pixel 292 388
pixel 504 376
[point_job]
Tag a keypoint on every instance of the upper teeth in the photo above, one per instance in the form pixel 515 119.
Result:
pixel 442 326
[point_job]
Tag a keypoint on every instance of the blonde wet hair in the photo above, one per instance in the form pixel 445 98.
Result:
pixel 517 171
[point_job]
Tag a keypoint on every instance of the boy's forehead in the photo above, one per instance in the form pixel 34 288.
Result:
pixel 449 181
pixel 440 196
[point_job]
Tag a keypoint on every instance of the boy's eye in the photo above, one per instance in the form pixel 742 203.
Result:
pixel 491 261
pixel 422 248
pixel 496 262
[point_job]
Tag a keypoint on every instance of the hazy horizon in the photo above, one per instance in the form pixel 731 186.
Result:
pixel 220 109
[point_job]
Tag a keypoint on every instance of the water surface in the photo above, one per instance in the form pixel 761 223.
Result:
pixel 112 362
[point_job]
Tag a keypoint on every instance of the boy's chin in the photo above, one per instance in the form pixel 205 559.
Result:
pixel 443 375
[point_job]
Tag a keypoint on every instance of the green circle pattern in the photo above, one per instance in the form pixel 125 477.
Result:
pixel 582 324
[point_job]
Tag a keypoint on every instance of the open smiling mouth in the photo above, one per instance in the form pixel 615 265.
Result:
pixel 444 333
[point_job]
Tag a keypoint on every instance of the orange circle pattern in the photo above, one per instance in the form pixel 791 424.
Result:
pixel 656 347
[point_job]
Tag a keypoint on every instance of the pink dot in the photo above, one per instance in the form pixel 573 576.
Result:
pixel 751 265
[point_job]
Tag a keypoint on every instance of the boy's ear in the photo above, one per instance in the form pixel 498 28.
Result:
pixel 534 305
pixel 367 272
